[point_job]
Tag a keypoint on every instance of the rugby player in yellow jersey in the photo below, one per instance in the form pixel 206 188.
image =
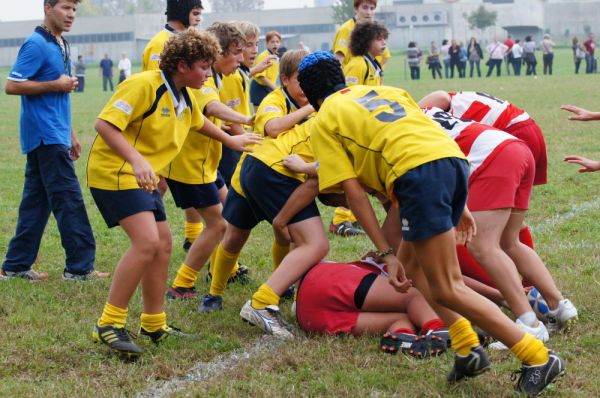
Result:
pixel 266 81
pixel 368 41
pixel 140 130
pixel 181 14
pixel 287 106
pixel 192 176
pixel 377 137
pixel 365 12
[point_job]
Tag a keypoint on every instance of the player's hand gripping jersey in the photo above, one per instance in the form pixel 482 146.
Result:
pixel 479 142
pixel 375 135
pixel 486 109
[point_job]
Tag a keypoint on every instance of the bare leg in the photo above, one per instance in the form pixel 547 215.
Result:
pixel 528 263
pixel 311 246
pixel 145 239
pixel 154 280
pixel 485 248
pixel 234 238
pixel 441 283
pixel 381 322
pixel 204 245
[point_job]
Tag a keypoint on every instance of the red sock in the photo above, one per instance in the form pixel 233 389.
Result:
pixel 404 330
pixel 526 238
pixel 433 324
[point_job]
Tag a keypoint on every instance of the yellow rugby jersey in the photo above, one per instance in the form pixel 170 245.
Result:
pixel 153 118
pixel 277 103
pixel 152 51
pixel 198 160
pixel 272 152
pixel 362 70
pixel 375 134
pixel 341 43
pixel 235 91
pixel 272 72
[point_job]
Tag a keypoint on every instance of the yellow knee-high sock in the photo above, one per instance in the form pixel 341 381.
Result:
pixel 153 322
pixel 192 230
pixel 223 262
pixel 342 214
pixel 112 315
pixel 463 337
pixel 264 296
pixel 213 260
pixel 530 350
pixel 278 252
pixel 186 277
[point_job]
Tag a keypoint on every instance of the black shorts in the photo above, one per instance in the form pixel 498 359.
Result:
pixel 117 205
pixel 258 92
pixel 266 192
pixel 432 197
pixel 197 196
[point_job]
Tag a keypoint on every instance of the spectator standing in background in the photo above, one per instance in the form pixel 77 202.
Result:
pixel 496 50
pixel 578 53
pixel 106 69
pixel 529 56
pixel 475 56
pixel 446 57
pixel 517 57
pixel 590 48
pixel 80 74
pixel 433 60
pixel 454 52
pixel 462 59
pixel 548 53
pixel 124 67
pixel 509 42
pixel 413 56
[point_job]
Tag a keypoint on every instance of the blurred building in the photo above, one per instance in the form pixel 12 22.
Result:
pixel 408 20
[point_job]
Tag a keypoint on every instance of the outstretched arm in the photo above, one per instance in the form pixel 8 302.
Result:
pixel 580 114
pixel 240 143
pixel 588 164
pixel 225 113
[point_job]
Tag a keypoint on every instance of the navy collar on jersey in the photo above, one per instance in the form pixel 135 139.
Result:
pixel 272 52
pixel 217 76
pixel 65 49
pixel 244 71
pixel 375 64
pixel 170 28
pixel 176 96
pixel 289 101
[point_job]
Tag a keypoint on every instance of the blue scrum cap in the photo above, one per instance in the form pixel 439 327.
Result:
pixel 320 75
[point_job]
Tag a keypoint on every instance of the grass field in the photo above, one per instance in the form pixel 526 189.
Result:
pixel 46 349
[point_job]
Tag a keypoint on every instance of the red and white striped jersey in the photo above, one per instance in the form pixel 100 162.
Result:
pixel 486 109
pixel 480 143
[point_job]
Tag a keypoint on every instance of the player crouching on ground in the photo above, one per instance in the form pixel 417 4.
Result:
pixel 390 146
pixel 140 130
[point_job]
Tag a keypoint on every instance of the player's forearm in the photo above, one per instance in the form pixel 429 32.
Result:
pixel 298 200
pixel 30 87
pixel 266 82
pixel 116 141
pixel 361 207
pixel 278 125
pixel 225 113
pixel 209 129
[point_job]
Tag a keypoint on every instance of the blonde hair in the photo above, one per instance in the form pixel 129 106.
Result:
pixel 247 28
pixel 290 61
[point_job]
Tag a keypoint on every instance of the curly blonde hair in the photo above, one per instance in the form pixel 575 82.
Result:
pixel 188 46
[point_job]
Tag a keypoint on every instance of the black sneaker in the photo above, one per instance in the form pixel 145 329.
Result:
pixel 418 346
pixel 472 365
pixel 182 293
pixel 117 339
pixel 241 276
pixel 211 303
pixel 533 379
pixel 187 244
pixel 345 228
pixel 164 332
pixel 288 294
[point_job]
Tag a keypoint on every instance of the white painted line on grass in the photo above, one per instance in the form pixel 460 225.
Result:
pixel 205 370
pixel 559 219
